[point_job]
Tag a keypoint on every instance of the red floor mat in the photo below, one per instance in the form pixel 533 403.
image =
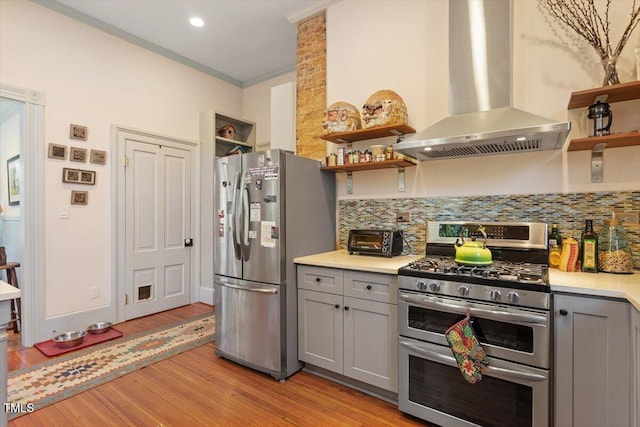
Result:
pixel 50 348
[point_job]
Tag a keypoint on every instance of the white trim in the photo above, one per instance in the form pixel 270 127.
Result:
pixel 33 284
pixel 118 249
pixel 310 11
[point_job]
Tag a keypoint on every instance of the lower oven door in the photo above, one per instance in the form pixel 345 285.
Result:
pixel 431 387
pixel 511 333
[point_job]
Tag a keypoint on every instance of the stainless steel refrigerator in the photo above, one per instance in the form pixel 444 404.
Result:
pixel 272 206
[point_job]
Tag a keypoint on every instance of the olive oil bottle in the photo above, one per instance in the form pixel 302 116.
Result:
pixel 589 249
pixel 555 246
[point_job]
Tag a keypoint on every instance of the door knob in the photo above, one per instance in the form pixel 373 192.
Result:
pixel 188 242
pixel 563 312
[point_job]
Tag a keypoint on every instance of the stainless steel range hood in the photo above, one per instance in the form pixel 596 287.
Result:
pixel 482 121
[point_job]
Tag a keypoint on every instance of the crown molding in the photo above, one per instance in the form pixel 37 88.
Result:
pixel 312 10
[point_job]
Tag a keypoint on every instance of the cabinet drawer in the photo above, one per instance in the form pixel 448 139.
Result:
pixel 371 286
pixel 320 279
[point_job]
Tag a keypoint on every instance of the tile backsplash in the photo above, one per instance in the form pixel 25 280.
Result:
pixel 568 210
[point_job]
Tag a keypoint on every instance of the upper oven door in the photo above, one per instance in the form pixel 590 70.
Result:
pixel 510 333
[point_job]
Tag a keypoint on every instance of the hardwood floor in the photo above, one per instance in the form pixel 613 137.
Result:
pixel 197 388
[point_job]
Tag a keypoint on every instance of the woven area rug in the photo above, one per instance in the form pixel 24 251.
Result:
pixel 66 376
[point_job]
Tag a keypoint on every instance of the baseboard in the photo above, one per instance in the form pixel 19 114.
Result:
pixel 72 322
pixel 206 295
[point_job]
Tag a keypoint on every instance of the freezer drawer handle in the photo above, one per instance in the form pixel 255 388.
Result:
pixel 250 289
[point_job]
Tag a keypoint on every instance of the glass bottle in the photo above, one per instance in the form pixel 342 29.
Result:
pixel 589 248
pixel 554 237
pixel 614 249
pixel 555 251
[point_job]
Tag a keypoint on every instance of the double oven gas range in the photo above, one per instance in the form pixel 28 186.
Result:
pixel 509 302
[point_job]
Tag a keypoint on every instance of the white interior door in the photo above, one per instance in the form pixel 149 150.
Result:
pixel 158 222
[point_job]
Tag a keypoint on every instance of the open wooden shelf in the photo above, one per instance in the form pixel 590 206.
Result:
pixel 385 164
pixel 615 93
pixel 613 141
pixel 362 134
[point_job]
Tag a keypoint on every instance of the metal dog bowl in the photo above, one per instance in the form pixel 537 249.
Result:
pixel 70 339
pixel 99 328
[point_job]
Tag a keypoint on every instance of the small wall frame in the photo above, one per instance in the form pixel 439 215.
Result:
pixel 98 157
pixel 78 155
pixel 78 176
pixel 57 151
pixel 79 197
pixel 78 132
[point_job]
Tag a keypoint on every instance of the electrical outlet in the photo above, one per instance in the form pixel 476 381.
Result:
pixel 403 217
pixel 627 217
pixel 94 292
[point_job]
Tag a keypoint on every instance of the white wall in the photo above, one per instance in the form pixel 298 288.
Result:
pixel 402 45
pixel 95 80
pixel 256 104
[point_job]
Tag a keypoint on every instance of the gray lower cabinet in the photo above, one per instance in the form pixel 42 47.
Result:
pixel 593 385
pixel 350 328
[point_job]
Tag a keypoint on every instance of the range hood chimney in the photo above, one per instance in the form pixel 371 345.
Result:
pixel 482 121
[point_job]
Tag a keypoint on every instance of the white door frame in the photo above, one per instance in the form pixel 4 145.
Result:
pixel 119 134
pixel 32 212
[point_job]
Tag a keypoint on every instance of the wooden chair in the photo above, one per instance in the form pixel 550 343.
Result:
pixel 12 279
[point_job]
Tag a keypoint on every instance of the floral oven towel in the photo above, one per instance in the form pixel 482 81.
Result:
pixel 466 349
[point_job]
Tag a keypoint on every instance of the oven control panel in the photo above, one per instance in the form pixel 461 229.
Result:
pixel 474 291
pixel 505 234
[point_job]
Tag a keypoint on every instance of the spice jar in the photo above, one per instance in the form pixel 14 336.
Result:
pixel 614 249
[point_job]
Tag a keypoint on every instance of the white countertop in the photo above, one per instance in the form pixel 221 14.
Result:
pixel 342 259
pixel 8 292
pixel 625 286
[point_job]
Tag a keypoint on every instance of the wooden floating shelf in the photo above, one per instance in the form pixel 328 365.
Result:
pixel 615 93
pixel 612 141
pixel 385 164
pixel 363 134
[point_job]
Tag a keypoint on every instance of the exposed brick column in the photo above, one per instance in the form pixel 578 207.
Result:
pixel 311 88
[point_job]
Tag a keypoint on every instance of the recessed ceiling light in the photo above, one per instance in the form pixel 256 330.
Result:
pixel 196 22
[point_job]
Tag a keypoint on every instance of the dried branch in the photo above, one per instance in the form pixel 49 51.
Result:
pixel 583 18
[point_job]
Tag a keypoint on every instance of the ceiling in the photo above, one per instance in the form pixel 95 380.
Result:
pixel 242 42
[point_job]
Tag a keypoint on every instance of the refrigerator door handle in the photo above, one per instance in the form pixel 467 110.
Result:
pixel 246 247
pixel 235 229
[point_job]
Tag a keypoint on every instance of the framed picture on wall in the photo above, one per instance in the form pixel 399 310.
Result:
pixel 78 132
pixel 13 180
pixel 78 154
pixel 79 197
pixel 98 157
pixel 78 176
pixel 57 151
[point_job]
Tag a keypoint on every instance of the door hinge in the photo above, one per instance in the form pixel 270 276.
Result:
pixel 126 299
pixel 126 161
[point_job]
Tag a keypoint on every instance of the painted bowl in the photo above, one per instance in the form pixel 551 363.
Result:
pixel 70 339
pixel 99 328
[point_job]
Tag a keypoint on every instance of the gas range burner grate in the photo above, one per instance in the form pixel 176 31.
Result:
pixel 498 270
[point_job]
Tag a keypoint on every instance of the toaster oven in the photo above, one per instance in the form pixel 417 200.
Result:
pixel 375 242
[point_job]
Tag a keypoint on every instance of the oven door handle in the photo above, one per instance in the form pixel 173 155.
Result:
pixel 487 370
pixel 500 315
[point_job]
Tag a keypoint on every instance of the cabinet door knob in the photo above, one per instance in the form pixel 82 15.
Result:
pixel 563 312
pixel 337 305
pixel 369 287
pixel 317 279
pixel 346 308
